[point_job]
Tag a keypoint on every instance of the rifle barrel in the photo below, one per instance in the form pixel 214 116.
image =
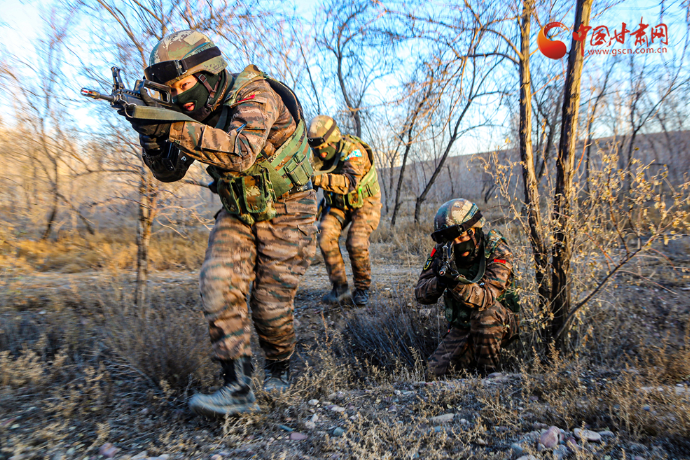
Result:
pixel 96 95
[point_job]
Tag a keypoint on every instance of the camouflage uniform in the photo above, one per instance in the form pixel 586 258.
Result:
pixel 353 165
pixel 475 339
pixel 273 254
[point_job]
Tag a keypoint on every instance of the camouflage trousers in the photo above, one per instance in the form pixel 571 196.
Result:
pixel 364 221
pixel 273 255
pixel 480 345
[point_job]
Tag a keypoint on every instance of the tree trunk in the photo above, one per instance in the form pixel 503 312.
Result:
pixel 56 200
pixel 529 177
pixel 565 165
pixel 147 203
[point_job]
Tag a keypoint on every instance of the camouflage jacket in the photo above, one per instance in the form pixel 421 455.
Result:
pixel 353 165
pixel 259 121
pixel 480 295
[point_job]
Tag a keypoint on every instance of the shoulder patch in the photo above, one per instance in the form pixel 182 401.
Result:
pixel 430 259
pixel 354 154
pixel 492 240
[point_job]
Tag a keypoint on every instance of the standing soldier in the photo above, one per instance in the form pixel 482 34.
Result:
pixel 346 173
pixel 251 132
pixel 474 274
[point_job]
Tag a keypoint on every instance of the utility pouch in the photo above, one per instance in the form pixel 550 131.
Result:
pixel 355 199
pixel 457 315
pixel 510 298
pixel 299 168
pixel 248 196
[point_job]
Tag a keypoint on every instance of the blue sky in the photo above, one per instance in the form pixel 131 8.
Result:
pixel 22 20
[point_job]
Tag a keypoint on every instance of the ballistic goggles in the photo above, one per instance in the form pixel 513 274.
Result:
pixel 315 142
pixel 165 71
pixel 450 233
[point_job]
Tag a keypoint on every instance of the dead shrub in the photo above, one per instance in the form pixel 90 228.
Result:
pixel 393 333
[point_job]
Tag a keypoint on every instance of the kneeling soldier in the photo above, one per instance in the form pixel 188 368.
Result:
pixel 250 130
pixel 474 274
pixel 344 169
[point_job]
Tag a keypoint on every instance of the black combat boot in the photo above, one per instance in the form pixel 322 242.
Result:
pixel 361 297
pixel 337 294
pixel 277 375
pixel 236 395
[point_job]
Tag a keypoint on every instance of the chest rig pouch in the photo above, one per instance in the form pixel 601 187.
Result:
pixel 368 185
pixel 456 312
pixel 251 194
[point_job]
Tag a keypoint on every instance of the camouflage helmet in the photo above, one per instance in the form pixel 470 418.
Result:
pixel 181 54
pixel 454 218
pixel 323 130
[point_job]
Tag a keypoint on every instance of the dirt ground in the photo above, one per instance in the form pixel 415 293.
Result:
pixel 100 405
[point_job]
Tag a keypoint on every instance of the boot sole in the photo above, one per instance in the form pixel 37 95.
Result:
pixel 222 411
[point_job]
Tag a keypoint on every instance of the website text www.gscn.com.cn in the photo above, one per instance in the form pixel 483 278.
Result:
pixel 618 51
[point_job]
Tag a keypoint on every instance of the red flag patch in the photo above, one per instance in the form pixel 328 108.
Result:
pixel 501 261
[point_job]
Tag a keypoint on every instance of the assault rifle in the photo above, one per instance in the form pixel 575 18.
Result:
pixel 447 259
pixel 138 103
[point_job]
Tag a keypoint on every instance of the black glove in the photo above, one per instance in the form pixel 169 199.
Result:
pixel 151 128
pixel 153 145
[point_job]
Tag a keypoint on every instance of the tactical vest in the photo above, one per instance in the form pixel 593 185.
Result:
pixel 251 194
pixel 368 185
pixel 457 313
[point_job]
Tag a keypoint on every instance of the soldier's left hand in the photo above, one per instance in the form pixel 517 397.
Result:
pixel 151 128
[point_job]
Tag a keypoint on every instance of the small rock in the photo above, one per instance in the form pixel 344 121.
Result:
pixel 285 428
pixel 313 402
pixel 338 432
pixel 534 398
pixel 337 409
pixel 298 437
pixel 638 457
pixel 58 456
pixel 528 457
pixel 144 411
pixel 216 457
pixel 445 418
pixel 517 449
pixel 314 418
pixel 108 450
pixel 166 456
pixel 495 375
pixel 141 455
pixel 15 426
pixel 561 452
pixel 539 426
pixel 71 451
pixel 309 425
pixel 549 438
pixel 481 442
pixel 591 436
pixel 437 429
pixel 464 421
pixel 607 434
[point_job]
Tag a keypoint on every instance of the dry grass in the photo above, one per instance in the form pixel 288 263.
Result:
pixel 112 250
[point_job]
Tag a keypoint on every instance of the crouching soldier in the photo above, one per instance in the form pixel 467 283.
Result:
pixel 344 169
pixel 250 131
pixel 473 272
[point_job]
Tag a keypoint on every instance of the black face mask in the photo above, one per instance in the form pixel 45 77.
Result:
pixel 199 95
pixel 473 246
pixel 326 153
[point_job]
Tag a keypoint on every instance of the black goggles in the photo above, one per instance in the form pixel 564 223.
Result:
pixel 168 70
pixel 318 141
pixel 450 233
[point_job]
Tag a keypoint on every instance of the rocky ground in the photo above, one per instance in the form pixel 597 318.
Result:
pixel 344 403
